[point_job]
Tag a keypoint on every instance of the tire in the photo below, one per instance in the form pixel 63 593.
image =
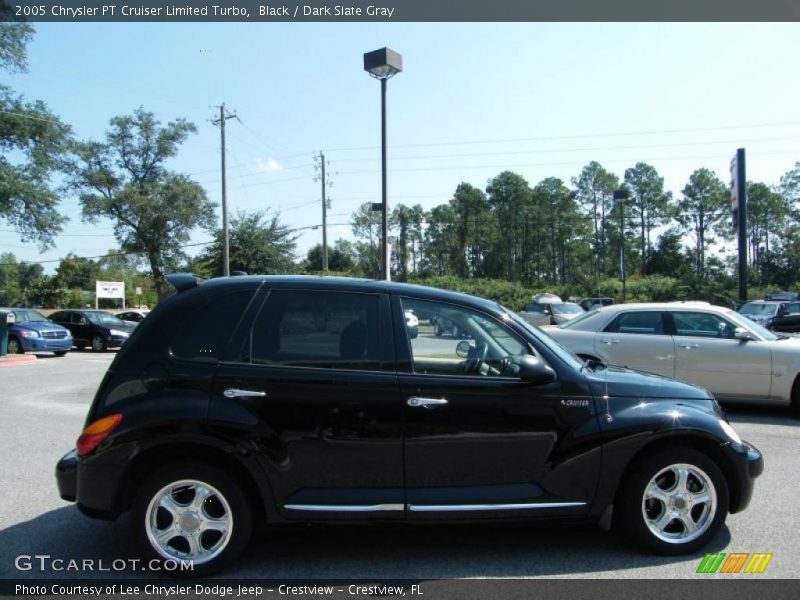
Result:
pixel 60 353
pixel 15 346
pixel 177 486
pixel 98 344
pixel 680 483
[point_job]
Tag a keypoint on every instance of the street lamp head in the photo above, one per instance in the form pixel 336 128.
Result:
pixel 383 63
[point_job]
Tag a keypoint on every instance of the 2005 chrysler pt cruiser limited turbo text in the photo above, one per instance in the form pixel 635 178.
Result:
pixel 305 399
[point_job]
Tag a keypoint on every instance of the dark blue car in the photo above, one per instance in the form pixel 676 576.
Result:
pixel 32 332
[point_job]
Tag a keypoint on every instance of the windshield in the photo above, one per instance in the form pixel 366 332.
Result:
pixel 752 326
pixel 564 354
pixel 101 318
pixel 751 308
pixel 567 308
pixel 29 316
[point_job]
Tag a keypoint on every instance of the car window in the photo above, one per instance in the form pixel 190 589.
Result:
pixel 327 330
pixel 793 308
pixel 76 318
pixel 701 324
pixel 642 322
pixel 482 347
pixel 60 317
pixel 204 333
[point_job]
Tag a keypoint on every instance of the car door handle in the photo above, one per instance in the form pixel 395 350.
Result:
pixel 237 393
pixel 609 342
pixel 415 401
pixel 689 346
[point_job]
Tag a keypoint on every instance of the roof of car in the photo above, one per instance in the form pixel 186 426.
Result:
pixel 350 283
pixel 679 305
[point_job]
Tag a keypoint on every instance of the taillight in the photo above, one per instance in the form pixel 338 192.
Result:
pixel 96 433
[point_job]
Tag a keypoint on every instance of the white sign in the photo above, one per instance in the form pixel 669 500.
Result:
pixel 734 183
pixel 110 289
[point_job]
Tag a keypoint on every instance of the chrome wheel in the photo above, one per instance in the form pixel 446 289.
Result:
pixel 14 347
pixel 97 343
pixel 679 503
pixel 189 520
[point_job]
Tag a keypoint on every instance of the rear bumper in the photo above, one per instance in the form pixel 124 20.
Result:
pixel 67 476
pixel 749 464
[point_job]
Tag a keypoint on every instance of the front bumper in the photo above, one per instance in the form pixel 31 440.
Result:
pixel 116 341
pixel 748 464
pixel 46 344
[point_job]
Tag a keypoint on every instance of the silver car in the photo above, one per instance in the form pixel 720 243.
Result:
pixel 734 358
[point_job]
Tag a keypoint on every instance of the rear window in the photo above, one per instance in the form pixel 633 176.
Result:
pixel 204 333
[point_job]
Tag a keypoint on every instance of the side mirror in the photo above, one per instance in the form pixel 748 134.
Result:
pixel 533 370
pixel 462 349
pixel 740 333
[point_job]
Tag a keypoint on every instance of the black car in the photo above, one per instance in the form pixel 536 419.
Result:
pixel 94 328
pixel 304 400
pixel 777 316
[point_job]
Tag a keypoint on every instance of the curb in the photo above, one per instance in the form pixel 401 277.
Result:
pixel 17 359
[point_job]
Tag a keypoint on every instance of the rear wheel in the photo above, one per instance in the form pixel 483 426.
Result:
pixel 14 346
pixel 674 502
pixel 192 511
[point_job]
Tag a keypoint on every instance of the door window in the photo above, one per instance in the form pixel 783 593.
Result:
pixel 700 324
pixel 328 330
pixel 484 347
pixel 642 322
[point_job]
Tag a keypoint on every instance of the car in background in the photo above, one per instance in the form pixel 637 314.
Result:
pixel 443 325
pixel 32 332
pixel 94 328
pixel 132 316
pixel 777 316
pixel 590 303
pixel 412 323
pixel 318 417
pixel 784 296
pixel 731 356
pixel 549 309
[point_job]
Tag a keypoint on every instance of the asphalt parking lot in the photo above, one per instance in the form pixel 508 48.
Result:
pixel 43 405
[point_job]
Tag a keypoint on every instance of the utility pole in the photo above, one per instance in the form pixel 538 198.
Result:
pixel 325 183
pixel 226 263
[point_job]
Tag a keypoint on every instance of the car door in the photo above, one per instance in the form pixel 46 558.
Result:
pixel 708 355
pixel 789 319
pixel 81 328
pixel 480 442
pixel 638 339
pixel 314 373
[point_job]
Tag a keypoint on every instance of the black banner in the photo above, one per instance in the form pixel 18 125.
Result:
pixel 400 10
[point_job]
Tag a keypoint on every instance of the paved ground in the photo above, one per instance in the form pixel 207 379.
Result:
pixel 42 407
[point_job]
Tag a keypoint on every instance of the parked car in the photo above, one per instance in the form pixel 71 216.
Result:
pixel 785 296
pixel 777 316
pixel 731 356
pixel 301 400
pixel 412 323
pixel 549 309
pixel 132 316
pixel 590 303
pixel 94 328
pixel 32 332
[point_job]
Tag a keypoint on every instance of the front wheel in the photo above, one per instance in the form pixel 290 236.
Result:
pixel 14 346
pixel 193 512
pixel 674 502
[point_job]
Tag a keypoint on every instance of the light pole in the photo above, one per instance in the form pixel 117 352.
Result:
pixel 383 64
pixel 621 196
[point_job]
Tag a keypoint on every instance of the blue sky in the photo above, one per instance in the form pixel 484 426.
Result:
pixel 542 99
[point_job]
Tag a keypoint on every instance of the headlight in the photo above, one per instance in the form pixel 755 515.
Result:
pixel 28 333
pixel 730 432
pixel 119 333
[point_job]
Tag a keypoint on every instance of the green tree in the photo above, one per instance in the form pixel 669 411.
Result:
pixel 401 219
pixel 10 291
pixel 259 244
pixel 703 207
pixel 648 203
pixel 366 225
pixel 34 147
pixel 768 213
pixel 474 224
pixel 440 242
pixel 46 291
pixel 126 179
pixel 594 191
pixel 510 197
pixel 77 272
pixel 342 257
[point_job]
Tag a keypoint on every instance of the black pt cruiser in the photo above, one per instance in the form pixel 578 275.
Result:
pixel 305 399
